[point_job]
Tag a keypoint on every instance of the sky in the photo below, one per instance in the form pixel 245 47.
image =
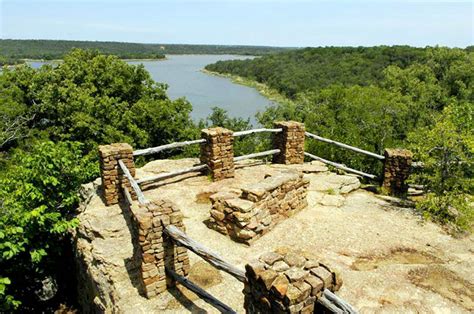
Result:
pixel 291 23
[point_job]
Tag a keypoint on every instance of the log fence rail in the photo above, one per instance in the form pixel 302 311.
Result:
pixel 345 146
pixel 329 300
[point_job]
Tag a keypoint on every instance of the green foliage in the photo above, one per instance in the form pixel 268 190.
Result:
pixel 38 194
pixel 452 209
pixel 311 69
pixel 243 145
pixel 95 99
pixel 370 118
pixel 381 97
pixel 13 50
pixel 57 116
pixel 447 151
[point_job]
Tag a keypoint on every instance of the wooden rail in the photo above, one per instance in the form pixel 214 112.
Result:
pixel 134 184
pixel 329 305
pixel 255 155
pixel 207 297
pixel 355 149
pixel 153 150
pixel 182 239
pixel 128 197
pixel 338 302
pixel 241 133
pixel 172 174
pixel 340 166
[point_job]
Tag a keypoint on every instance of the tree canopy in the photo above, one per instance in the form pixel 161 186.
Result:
pixel 53 118
pixel 376 98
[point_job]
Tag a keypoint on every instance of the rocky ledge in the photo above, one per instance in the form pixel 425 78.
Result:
pixel 378 249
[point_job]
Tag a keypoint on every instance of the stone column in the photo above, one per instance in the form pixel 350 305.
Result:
pixel 290 142
pixel 286 282
pixel 155 251
pixel 112 179
pixel 397 166
pixel 218 152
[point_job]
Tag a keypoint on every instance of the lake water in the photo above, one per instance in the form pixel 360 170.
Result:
pixel 184 77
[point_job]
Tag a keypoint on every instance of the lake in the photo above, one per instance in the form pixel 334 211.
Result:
pixel 184 77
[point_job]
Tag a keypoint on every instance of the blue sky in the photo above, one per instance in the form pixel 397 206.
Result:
pixel 246 22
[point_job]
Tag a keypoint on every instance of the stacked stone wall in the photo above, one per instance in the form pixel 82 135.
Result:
pixel 290 142
pixel 218 152
pixel 111 174
pixel 287 282
pixel 246 215
pixel 156 251
pixel 397 167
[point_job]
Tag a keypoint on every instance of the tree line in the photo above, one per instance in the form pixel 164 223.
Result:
pixel 13 51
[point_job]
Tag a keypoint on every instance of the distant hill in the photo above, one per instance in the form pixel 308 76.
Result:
pixel 12 50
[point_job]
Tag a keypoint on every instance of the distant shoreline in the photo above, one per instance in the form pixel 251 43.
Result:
pixel 263 89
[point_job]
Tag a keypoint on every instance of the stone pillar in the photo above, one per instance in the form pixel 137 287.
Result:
pixel 112 179
pixel 218 152
pixel 290 142
pixel 155 251
pixel 397 166
pixel 286 282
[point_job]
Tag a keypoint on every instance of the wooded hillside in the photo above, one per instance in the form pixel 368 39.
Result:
pixel 12 50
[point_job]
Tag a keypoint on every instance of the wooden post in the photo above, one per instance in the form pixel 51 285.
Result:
pixel 397 167
pixel 112 176
pixel 290 142
pixel 218 152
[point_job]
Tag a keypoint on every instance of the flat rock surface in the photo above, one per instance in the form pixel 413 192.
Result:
pixel 390 260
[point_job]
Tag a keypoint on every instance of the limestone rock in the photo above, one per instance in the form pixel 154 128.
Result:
pixel 332 200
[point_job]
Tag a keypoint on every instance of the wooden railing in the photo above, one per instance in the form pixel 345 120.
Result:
pixel 329 300
pixel 246 132
pixel 355 149
pixel 203 294
pixel 172 174
pixel 182 239
pixel 342 145
pixel 133 183
pixel 255 155
pixel 340 166
pixel 154 150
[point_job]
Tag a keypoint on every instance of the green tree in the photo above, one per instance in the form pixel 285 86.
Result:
pixel 38 194
pixel 96 99
pixel 447 151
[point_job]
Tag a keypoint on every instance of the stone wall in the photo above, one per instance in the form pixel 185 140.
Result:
pixel 290 142
pixel 257 208
pixel 218 152
pixel 154 249
pixel 112 178
pixel 287 282
pixel 397 167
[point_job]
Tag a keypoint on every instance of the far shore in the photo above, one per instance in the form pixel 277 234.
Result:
pixel 263 89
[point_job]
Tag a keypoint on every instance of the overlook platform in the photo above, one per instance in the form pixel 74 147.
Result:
pixel 390 260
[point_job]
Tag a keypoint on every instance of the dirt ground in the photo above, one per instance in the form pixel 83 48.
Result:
pixel 391 260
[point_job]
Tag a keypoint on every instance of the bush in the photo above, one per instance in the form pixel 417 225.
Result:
pixel 452 209
pixel 38 194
